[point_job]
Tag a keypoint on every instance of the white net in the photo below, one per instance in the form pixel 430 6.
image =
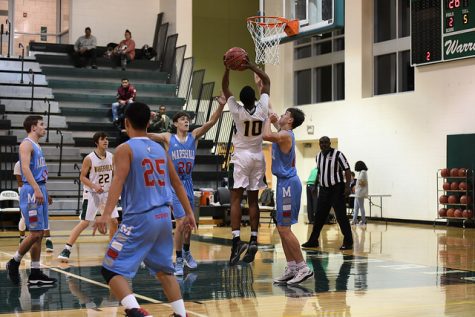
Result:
pixel 266 33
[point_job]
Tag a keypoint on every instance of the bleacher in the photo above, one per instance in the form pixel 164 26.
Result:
pixel 79 102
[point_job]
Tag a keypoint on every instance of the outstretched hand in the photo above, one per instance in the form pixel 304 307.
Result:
pixel 221 99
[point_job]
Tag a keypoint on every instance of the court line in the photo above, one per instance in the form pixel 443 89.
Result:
pixel 79 277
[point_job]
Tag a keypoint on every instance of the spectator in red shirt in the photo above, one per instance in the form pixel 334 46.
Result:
pixel 125 94
pixel 125 52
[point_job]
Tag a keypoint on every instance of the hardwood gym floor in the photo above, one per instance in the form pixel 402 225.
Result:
pixel 394 270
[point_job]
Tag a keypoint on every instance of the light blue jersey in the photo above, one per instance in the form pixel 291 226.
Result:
pixel 37 164
pixel 145 233
pixel 183 157
pixel 148 184
pixel 35 215
pixel 283 164
pixel 289 188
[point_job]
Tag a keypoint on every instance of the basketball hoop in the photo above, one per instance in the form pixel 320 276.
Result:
pixel 266 33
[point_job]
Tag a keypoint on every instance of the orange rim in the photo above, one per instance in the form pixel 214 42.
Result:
pixel 255 20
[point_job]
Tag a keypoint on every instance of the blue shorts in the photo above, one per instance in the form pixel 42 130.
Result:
pixel 288 194
pixel 178 210
pixel 142 237
pixel 36 216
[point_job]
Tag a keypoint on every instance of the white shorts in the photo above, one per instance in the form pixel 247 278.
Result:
pixel 249 170
pixel 92 203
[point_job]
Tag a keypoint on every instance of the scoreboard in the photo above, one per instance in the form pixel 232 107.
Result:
pixel 442 30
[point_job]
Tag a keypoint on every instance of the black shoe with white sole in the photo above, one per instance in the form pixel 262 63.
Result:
pixel 39 278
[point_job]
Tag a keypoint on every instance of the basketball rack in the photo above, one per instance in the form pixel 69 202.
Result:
pixel 266 33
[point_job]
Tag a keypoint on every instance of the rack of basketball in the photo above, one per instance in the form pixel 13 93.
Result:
pixel 455 193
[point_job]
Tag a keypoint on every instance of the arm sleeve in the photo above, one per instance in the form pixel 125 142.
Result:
pixel 343 162
pixel 264 102
pixel 233 105
pixel 17 169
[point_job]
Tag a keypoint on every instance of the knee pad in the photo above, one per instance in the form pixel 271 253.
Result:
pixel 107 274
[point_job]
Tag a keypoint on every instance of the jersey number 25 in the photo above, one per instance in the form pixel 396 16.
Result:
pixel 149 167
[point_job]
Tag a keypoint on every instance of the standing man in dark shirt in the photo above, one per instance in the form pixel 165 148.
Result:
pixel 125 94
pixel 332 164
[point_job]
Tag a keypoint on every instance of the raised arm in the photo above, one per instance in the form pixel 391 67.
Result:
pixel 264 85
pixel 225 84
pixel 199 132
pixel 161 137
pixel 282 138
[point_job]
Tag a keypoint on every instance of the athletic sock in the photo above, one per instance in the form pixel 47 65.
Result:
pixel 35 265
pixel 301 265
pixel 17 257
pixel 179 254
pixel 292 265
pixel 186 247
pixel 68 246
pixel 130 302
pixel 236 233
pixel 253 236
pixel 178 307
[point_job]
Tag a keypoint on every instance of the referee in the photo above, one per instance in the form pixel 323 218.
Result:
pixel 331 164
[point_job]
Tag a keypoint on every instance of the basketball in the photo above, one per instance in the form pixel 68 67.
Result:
pixel 443 212
pixel 235 57
pixel 465 199
pixel 443 199
pixel 454 172
pixel 464 213
pixel 454 186
pixel 462 172
pixel 453 199
pixel 463 186
pixel 446 186
pixel 458 213
pixel 469 213
pixel 450 212
pixel 444 172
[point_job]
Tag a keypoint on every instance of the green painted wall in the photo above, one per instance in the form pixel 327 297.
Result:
pixel 217 26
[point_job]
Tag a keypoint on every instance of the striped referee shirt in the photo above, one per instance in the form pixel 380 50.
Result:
pixel 331 167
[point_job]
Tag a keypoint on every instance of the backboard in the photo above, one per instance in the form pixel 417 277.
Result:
pixel 315 16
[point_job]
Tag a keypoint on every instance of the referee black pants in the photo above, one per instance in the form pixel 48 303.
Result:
pixel 329 197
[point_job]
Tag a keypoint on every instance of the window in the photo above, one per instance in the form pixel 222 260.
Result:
pixel 319 68
pixel 303 80
pixel 391 49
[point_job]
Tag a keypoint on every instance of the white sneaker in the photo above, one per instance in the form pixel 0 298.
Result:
pixel 179 267
pixel 302 275
pixel 288 275
pixel 362 223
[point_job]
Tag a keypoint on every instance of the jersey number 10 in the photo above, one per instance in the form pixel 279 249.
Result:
pixel 149 171
pixel 252 128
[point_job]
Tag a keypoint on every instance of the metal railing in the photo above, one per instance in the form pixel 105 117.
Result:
pixel 32 83
pixel 22 60
pixel 48 114
pixel 60 151
pixel 78 182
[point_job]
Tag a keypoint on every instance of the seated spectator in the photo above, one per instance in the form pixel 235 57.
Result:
pixel 85 50
pixel 125 94
pixel 160 122
pixel 125 52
